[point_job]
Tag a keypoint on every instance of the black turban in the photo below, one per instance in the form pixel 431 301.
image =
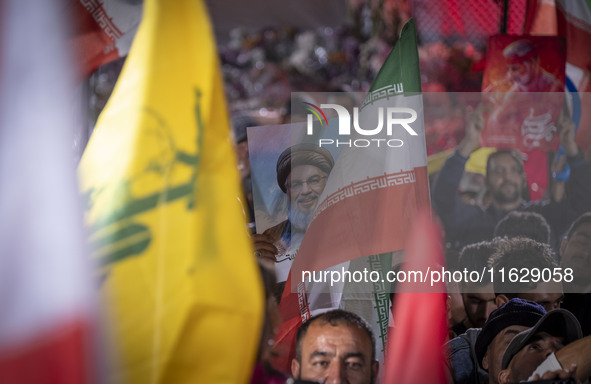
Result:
pixel 302 154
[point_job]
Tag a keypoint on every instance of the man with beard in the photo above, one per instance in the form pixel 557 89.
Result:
pixel 302 171
pixel 335 347
pixel 506 181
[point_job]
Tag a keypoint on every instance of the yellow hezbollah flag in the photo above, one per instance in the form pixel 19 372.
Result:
pixel 178 278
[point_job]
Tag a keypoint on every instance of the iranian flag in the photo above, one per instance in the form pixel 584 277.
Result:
pixel 45 282
pixel 377 186
pixel 103 30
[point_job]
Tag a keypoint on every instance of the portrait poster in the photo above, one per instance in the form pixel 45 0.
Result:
pixel 523 92
pixel 271 205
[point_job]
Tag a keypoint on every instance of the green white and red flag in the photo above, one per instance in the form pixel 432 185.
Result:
pixel 365 212
pixel 46 284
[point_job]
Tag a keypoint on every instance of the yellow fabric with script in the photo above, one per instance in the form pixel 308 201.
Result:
pixel 179 281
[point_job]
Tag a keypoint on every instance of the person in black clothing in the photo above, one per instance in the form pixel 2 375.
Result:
pixel 576 254
pixel 525 224
pixel 478 297
pixel 521 253
pixel 506 180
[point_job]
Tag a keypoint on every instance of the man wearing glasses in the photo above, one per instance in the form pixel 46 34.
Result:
pixel 302 171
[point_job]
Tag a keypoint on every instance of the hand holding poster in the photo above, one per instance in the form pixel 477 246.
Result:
pixel 523 84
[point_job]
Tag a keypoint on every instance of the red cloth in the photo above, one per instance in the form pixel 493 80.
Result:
pixel 414 353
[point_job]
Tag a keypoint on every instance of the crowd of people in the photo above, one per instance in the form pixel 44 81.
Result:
pixel 499 332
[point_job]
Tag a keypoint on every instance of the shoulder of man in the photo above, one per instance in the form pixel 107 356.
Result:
pixel 465 341
pixel 461 359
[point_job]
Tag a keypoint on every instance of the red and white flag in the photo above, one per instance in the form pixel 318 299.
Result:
pixel 415 352
pixel 45 283
pixel 375 189
pixel 103 30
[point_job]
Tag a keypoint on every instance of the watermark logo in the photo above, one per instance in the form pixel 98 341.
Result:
pixel 316 111
pixel 390 121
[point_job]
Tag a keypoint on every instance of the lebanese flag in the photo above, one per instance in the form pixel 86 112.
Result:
pixel 103 30
pixel 365 210
pixel 420 313
pixel 45 283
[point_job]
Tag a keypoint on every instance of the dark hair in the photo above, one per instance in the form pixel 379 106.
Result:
pixel 514 154
pixel 583 219
pixel 519 253
pixel 335 318
pixel 526 224
pixel 239 124
pixel 268 277
pixel 475 257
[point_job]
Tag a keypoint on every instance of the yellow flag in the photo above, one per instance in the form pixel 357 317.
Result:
pixel 178 277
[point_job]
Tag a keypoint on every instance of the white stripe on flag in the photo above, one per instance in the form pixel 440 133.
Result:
pixel 44 279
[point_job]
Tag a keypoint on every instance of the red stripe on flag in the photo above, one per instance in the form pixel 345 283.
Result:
pixel 91 43
pixel 369 223
pixel 577 41
pixel 414 353
pixel 285 343
pixel 58 356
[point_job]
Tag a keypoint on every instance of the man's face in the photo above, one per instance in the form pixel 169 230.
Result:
pixel 304 184
pixel 576 254
pixel 521 73
pixel 548 294
pixel 335 354
pixel 505 179
pixel 525 362
pixel 493 358
pixel 478 306
pixel 550 301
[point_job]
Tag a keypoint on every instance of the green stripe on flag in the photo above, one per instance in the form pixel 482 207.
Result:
pixel 400 72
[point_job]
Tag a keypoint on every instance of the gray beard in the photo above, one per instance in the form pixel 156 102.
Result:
pixel 299 220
